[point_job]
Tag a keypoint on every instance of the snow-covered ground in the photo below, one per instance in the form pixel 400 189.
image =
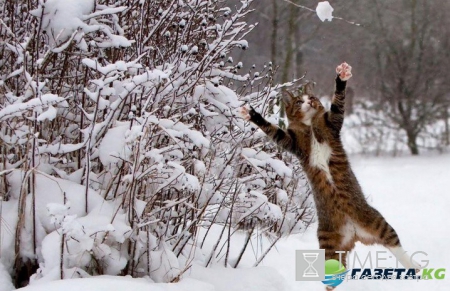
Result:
pixel 413 195
pixel 411 192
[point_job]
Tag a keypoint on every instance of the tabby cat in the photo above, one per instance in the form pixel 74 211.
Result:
pixel 313 135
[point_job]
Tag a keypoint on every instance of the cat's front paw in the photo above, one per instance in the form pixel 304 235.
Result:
pixel 244 112
pixel 344 71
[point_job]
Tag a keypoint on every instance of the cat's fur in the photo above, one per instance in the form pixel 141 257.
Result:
pixel 313 135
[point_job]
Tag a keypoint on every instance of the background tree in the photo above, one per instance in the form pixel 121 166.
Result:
pixel 397 44
pixel 412 60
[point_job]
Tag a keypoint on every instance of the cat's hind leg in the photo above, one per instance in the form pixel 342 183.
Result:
pixel 331 242
pixel 337 245
pixel 407 261
pixel 375 229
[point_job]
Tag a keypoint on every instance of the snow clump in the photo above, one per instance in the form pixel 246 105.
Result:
pixel 324 11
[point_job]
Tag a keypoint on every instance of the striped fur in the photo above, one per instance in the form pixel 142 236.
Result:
pixel 344 216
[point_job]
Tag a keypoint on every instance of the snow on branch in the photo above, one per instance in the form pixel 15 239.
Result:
pixel 17 109
pixel 120 126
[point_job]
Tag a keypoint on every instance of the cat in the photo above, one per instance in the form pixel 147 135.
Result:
pixel 313 135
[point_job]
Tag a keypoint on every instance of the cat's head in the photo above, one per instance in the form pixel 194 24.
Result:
pixel 301 108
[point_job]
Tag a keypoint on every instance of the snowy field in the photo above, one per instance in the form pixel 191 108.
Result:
pixel 412 194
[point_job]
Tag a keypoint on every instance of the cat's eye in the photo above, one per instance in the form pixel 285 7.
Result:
pixel 299 102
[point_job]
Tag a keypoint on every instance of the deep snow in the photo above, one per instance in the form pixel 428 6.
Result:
pixel 412 194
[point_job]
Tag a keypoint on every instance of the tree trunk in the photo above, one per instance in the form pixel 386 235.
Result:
pixel 288 60
pixel 447 126
pixel 349 98
pixel 273 45
pixel 289 46
pixel 274 35
pixel 412 143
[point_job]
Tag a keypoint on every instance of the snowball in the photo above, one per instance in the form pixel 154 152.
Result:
pixel 324 11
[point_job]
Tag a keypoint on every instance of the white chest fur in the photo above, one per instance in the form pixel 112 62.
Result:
pixel 320 156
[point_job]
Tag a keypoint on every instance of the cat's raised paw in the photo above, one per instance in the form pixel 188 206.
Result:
pixel 344 71
pixel 244 112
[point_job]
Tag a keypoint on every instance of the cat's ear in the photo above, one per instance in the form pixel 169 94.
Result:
pixel 308 88
pixel 287 97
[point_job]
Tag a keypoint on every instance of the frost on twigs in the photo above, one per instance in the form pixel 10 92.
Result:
pixel 119 129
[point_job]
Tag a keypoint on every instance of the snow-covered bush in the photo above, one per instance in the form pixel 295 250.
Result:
pixel 120 139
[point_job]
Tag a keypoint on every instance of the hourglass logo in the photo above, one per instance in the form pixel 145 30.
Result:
pixel 310 265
